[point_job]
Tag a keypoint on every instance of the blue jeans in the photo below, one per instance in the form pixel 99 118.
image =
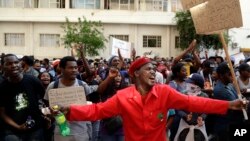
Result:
pixel 112 137
pixel 95 130
pixel 36 135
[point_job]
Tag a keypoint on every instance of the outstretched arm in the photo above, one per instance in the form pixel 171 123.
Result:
pixel 202 105
pixel 93 112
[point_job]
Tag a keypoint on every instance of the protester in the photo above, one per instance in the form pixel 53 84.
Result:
pixel 19 102
pixel 244 79
pixel 224 90
pixel 111 128
pixel 179 75
pixel 80 130
pixel 27 65
pixel 143 106
pixel 46 79
pixel 192 123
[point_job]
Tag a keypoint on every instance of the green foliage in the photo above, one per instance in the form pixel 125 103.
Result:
pixel 86 34
pixel 187 33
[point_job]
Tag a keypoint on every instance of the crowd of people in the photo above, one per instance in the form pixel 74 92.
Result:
pixel 133 99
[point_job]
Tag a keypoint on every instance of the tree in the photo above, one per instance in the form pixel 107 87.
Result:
pixel 85 36
pixel 187 33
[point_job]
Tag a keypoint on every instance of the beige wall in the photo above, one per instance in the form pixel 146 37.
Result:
pixel 33 30
pixel 32 33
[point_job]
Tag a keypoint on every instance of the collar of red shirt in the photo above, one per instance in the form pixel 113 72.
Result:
pixel 135 92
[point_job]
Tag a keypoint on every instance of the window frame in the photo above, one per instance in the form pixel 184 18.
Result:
pixel 146 39
pixel 18 37
pixel 123 37
pixel 47 41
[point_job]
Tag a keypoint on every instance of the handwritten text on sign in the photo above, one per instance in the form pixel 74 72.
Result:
pixel 125 47
pixel 67 96
pixel 216 15
pixel 186 4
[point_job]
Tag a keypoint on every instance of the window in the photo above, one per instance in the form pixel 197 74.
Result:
pixel 119 4
pixel 18 3
pixel 86 4
pixel 176 5
pixel 151 41
pixel 51 4
pixel 177 41
pixel 121 37
pixel 49 40
pixel 14 39
pixel 153 5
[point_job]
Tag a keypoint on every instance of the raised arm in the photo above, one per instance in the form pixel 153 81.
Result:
pixel 189 49
pixel 120 65
pixel 113 72
pixel 197 60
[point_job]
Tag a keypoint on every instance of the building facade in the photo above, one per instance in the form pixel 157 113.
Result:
pixel 33 27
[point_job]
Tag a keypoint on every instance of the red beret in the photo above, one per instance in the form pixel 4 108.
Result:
pixel 137 64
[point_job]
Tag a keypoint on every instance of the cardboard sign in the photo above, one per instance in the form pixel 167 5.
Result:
pixel 67 96
pixel 186 4
pixel 125 47
pixel 216 15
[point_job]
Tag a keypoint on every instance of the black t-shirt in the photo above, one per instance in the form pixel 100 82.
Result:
pixel 20 100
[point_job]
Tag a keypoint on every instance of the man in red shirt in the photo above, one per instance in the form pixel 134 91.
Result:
pixel 143 107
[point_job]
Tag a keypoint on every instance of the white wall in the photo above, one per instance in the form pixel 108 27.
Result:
pixel 239 35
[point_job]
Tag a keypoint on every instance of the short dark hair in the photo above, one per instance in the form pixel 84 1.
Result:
pixel 40 74
pixel 176 69
pixel 6 55
pixel 64 61
pixel 46 60
pixel 223 68
pixel 244 67
pixel 28 60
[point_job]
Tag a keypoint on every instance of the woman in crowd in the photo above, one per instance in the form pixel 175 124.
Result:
pixel 179 74
pixel 111 128
pixel 46 78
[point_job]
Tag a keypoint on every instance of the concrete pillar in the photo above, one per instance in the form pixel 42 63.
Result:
pixel 67 4
pixel 169 5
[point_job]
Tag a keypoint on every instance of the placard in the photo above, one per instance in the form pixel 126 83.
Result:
pixel 216 15
pixel 67 96
pixel 186 4
pixel 125 47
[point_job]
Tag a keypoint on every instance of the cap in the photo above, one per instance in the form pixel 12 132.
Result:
pixel 197 79
pixel 138 64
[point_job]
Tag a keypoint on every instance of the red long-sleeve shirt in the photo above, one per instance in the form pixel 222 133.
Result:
pixel 146 122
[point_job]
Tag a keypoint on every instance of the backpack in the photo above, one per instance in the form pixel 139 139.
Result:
pixel 56 83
